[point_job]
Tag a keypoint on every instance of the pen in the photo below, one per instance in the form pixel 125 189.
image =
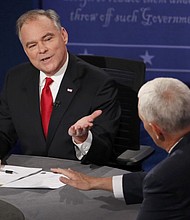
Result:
pixel 7 171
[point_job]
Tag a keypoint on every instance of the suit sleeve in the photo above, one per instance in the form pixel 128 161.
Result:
pixel 106 125
pixel 8 135
pixel 133 187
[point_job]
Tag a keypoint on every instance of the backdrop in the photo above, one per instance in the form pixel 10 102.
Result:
pixel 155 31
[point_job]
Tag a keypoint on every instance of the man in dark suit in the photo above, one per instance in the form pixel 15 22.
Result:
pixel 164 107
pixel 83 95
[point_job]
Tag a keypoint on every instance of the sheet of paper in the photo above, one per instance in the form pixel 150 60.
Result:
pixel 42 179
pixel 18 172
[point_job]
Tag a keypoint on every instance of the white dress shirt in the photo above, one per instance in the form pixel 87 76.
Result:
pixel 117 186
pixel 81 149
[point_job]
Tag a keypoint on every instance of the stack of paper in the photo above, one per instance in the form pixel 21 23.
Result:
pixel 26 177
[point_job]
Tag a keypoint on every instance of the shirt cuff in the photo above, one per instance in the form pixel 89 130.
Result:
pixel 117 186
pixel 82 149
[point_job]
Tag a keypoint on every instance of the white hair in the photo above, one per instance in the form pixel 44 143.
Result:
pixel 165 101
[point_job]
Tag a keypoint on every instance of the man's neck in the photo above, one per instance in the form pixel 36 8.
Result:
pixel 174 139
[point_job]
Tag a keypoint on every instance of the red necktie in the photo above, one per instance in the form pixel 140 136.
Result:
pixel 46 105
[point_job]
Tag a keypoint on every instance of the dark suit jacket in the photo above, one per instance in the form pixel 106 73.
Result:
pixel 166 188
pixel 83 89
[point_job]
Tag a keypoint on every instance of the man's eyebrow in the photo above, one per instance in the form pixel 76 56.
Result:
pixel 48 35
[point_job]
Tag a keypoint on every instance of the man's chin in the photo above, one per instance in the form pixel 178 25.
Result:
pixel 47 70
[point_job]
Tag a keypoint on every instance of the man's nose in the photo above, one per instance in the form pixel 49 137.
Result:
pixel 41 47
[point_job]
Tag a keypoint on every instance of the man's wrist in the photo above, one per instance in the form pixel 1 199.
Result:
pixel 80 140
pixel 102 183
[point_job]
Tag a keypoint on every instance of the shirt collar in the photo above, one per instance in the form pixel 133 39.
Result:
pixel 174 145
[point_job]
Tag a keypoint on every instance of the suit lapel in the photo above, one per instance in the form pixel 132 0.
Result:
pixel 67 92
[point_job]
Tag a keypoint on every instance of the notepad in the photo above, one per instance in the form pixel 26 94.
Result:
pixel 18 173
pixel 43 179
pixel 28 177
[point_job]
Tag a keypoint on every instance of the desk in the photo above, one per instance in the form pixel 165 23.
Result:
pixel 66 202
pixel 10 212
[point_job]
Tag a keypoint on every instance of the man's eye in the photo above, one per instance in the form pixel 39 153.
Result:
pixel 31 46
pixel 47 38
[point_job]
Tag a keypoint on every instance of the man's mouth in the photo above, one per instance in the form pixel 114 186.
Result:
pixel 45 59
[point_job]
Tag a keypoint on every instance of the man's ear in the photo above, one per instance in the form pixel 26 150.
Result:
pixel 65 35
pixel 157 131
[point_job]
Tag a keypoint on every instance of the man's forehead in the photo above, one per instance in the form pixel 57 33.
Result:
pixel 32 30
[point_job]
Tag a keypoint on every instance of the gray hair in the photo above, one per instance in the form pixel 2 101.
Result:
pixel 34 14
pixel 165 101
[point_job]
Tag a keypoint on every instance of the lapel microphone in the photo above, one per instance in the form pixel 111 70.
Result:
pixel 56 104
